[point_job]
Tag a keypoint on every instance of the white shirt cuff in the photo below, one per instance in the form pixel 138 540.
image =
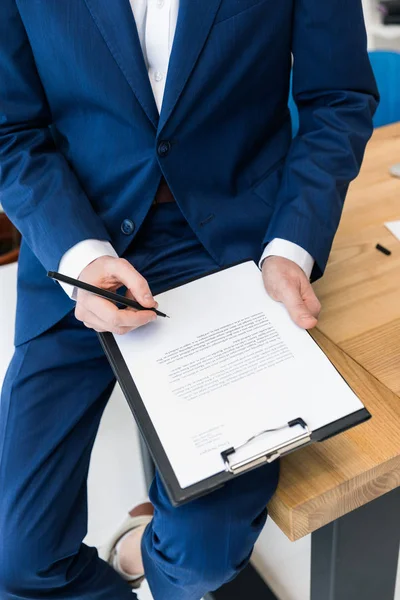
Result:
pixel 291 251
pixel 80 256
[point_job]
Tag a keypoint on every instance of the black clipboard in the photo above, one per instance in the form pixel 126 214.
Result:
pixel 176 493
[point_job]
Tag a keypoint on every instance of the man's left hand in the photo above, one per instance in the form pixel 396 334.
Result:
pixel 286 282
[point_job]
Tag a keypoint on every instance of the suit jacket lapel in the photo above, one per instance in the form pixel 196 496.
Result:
pixel 116 23
pixel 194 23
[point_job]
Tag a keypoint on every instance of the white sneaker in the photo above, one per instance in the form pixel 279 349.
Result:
pixel 140 516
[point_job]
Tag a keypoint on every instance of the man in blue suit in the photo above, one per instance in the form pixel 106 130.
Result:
pixel 144 142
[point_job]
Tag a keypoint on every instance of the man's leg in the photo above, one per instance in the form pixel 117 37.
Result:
pixel 53 397
pixel 54 394
pixel 196 548
pixel 52 400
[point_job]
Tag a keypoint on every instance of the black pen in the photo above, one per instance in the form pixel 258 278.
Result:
pixel 117 298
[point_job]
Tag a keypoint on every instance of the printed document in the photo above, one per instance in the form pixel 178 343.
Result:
pixel 228 364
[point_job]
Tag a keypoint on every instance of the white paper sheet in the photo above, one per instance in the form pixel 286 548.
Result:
pixel 227 364
pixel 394 227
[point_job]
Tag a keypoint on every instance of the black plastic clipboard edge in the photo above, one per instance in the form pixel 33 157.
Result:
pixel 343 424
pixel 178 495
pixel 328 431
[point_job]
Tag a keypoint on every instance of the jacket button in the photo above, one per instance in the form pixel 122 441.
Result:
pixel 163 148
pixel 127 226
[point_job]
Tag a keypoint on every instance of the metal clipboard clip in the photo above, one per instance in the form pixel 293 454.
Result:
pixel 272 454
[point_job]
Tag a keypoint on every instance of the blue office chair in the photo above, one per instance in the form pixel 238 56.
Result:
pixel 386 67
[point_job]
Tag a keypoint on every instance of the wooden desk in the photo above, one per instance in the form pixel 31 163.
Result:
pixel 359 329
pixel 346 490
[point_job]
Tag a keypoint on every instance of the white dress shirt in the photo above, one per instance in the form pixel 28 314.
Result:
pixel 156 23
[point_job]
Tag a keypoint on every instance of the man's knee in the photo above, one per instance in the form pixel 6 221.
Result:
pixel 26 567
pixel 206 541
pixel 197 552
pixel 210 539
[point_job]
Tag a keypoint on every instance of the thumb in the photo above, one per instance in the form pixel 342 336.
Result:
pixel 296 306
pixel 128 294
pixel 134 282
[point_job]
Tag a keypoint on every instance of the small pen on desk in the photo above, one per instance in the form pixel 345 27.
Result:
pixel 117 298
pixel 383 249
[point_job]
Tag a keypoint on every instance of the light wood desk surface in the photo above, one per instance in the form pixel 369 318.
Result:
pixel 359 329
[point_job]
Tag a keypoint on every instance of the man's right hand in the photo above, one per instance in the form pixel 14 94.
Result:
pixel 101 315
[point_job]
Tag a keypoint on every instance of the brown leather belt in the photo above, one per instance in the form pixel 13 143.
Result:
pixel 163 194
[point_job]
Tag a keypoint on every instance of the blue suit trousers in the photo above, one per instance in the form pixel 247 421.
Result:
pixel 53 397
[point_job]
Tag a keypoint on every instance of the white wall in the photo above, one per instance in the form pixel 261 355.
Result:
pixel 8 305
pixel 380 37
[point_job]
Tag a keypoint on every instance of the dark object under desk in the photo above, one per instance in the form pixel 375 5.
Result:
pixel 10 240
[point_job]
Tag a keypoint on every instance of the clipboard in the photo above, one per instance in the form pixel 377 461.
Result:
pixel 302 434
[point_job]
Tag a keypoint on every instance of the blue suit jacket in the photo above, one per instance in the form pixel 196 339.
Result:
pixel 80 133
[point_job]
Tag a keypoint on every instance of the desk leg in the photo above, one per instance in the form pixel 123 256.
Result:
pixel 356 556
pixel 247 585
